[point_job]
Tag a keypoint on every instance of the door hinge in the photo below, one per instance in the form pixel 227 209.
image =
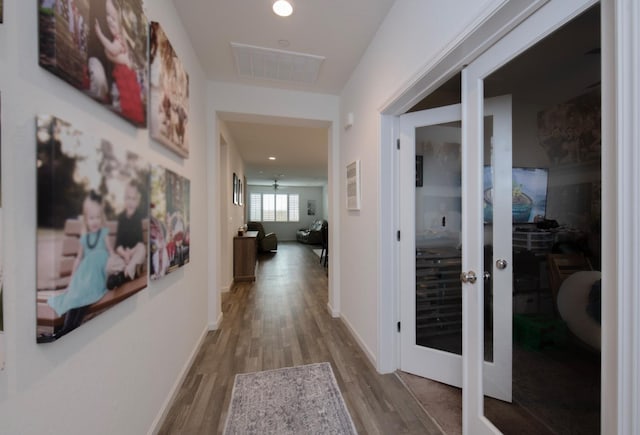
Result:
pixel 399 326
pixel 398 235
pixel 398 143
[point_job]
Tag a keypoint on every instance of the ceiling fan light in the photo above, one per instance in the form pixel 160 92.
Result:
pixel 282 8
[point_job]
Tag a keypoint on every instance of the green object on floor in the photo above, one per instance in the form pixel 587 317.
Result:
pixel 538 331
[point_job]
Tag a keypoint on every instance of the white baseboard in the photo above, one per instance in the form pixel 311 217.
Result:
pixel 332 312
pixel 216 325
pixel 164 410
pixel 361 343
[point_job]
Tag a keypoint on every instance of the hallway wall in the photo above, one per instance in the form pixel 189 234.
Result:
pixel 411 36
pixel 114 374
pixel 234 215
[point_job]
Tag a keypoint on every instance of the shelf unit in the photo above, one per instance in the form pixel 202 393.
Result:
pixel 534 241
pixel 438 292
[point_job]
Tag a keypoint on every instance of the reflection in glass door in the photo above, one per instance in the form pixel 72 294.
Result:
pixel 438 226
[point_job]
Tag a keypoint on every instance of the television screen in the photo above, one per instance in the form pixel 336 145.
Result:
pixel 529 200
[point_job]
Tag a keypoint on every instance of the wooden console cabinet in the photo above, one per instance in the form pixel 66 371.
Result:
pixel 245 256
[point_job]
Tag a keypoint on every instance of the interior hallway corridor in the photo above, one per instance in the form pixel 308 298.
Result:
pixel 281 320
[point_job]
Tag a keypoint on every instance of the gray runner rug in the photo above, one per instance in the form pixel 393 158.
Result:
pixel 294 400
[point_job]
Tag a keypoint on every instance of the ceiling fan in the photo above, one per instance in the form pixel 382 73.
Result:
pixel 276 185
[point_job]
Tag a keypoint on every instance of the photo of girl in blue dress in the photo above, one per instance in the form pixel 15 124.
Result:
pixel 89 277
pixel 93 213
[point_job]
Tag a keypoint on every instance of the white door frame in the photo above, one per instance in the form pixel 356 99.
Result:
pixel 620 395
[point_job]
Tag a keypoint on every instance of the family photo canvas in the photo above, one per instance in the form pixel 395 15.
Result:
pixel 99 47
pixel 169 99
pixel 93 220
pixel 169 232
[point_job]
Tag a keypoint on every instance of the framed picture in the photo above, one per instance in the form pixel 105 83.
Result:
pixel 235 189
pixel 353 185
pixel 169 97
pixel 100 48
pixel 419 166
pixel 92 203
pixel 240 192
pixel 311 207
pixel 169 233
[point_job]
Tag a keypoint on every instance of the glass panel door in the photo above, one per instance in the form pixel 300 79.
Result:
pixel 431 300
pixel 432 295
pixel 549 184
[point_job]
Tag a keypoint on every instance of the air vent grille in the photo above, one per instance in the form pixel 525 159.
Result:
pixel 266 63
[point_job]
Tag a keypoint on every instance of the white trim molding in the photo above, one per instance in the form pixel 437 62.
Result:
pixel 625 16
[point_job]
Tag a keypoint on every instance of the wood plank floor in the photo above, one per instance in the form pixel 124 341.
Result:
pixel 281 320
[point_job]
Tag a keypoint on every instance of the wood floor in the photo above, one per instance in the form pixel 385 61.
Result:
pixel 281 320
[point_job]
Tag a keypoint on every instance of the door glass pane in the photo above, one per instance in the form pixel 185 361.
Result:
pixel 556 256
pixel 487 190
pixel 438 228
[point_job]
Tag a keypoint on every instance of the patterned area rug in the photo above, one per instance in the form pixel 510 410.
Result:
pixel 295 400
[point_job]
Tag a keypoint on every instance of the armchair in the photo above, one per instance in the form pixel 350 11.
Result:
pixel 313 234
pixel 266 241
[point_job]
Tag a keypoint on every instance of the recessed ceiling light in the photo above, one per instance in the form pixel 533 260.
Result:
pixel 282 8
pixel 283 43
pixel 272 158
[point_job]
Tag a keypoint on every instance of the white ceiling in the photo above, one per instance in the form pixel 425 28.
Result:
pixel 337 30
pixel 299 146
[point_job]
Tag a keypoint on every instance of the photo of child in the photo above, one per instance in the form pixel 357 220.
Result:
pixel 88 275
pixel 169 99
pixel 130 252
pixel 169 232
pixel 99 47
pixel 92 206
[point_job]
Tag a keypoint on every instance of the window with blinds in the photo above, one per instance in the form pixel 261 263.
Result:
pixel 271 207
pixel 255 207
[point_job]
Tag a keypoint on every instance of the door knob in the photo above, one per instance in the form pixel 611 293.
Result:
pixel 468 277
pixel 501 264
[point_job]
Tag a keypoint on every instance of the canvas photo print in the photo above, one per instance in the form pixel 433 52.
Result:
pixel 169 99
pixel 570 132
pixel 169 234
pixel 93 225
pixel 99 47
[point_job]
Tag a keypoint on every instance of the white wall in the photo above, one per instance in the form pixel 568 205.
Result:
pixel 413 33
pixel 286 231
pixel 116 372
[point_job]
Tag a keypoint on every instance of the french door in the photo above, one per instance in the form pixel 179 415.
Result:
pixel 456 265
pixel 433 204
pixel 476 380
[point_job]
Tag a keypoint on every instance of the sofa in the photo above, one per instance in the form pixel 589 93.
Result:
pixel 267 242
pixel 313 234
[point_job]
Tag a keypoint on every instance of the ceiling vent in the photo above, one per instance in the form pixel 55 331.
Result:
pixel 266 63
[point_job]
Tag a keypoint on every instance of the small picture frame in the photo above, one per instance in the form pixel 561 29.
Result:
pixel 235 189
pixel 353 185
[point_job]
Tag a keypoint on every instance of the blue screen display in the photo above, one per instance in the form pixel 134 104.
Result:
pixel 529 194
